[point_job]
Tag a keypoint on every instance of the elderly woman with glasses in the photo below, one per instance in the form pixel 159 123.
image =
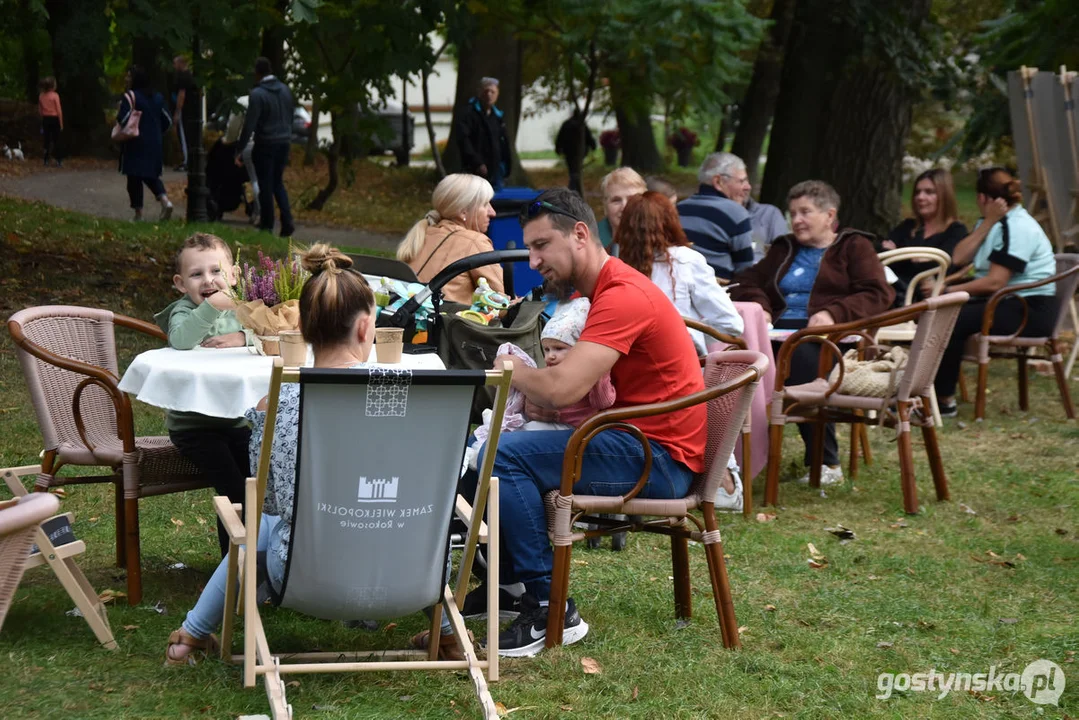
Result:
pixel 813 277
pixel 452 230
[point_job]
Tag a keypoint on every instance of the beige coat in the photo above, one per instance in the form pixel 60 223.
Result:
pixel 436 255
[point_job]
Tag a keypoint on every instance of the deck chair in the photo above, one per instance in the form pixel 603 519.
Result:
pixel 983 346
pixel 735 343
pixel 820 401
pixel 730 380
pixel 55 545
pixel 68 359
pixel 379 453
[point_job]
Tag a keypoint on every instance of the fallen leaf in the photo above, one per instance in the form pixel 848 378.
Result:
pixel 293 684
pixel 953 651
pixel 872 577
pixel 177 522
pixel 743 629
pixel 769 608
pixel 765 517
pixel 566 708
pixel 95 519
pixel 58 492
pixel 1009 621
pixel 389 627
pixel 841 532
pixel 591 667
pixel 503 712
pixel 636 691
pixel 898 525
pixel 811 517
pixel 107 596
pixel 816 565
pixel 202 521
pixel 1061 531
pixel 1013 518
pixel 131 627
pixel 813 550
pixel 580 562
pixel 884 645
pixel 967 509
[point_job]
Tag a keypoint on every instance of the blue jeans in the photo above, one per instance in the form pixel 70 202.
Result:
pixel 528 465
pixel 270 162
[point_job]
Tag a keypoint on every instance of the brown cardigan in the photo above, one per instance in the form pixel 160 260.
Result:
pixel 436 255
pixel 850 283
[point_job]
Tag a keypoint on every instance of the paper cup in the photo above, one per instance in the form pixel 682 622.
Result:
pixel 293 348
pixel 390 342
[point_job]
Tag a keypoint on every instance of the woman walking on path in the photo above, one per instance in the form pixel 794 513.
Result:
pixel 141 158
pixel 52 118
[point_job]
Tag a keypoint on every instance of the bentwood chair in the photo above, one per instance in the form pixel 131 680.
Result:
pixel 985 346
pixel 730 380
pixel 820 402
pixel 68 358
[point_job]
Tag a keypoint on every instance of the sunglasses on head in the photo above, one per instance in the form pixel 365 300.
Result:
pixel 536 207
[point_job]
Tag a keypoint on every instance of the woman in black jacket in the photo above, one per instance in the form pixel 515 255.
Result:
pixel 140 160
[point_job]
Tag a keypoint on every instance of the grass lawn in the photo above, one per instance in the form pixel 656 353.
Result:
pixel 910 594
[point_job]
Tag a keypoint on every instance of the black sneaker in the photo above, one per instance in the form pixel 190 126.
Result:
pixel 526 635
pixel 475 607
pixel 948 410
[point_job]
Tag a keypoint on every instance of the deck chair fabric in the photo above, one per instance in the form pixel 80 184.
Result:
pixel 378 456
pixel 19 521
pixel 55 545
pixel 384 483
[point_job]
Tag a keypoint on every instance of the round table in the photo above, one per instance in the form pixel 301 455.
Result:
pixel 221 382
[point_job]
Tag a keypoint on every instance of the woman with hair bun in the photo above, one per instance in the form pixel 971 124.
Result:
pixel 337 318
pixel 1007 247
pixel 452 230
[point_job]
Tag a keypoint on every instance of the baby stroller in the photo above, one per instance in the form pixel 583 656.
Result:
pixel 225 181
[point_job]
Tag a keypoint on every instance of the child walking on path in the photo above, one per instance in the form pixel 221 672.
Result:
pixel 204 317
pixel 52 119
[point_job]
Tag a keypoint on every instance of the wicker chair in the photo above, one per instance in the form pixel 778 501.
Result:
pixel 819 401
pixel 747 427
pixel 983 346
pixel 68 358
pixel 730 379
pixel 19 521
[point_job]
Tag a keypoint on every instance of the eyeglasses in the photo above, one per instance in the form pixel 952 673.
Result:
pixel 536 207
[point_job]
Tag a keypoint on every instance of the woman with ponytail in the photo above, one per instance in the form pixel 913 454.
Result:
pixel 1007 247
pixel 452 230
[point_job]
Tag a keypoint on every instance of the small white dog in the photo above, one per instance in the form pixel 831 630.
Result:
pixel 14 153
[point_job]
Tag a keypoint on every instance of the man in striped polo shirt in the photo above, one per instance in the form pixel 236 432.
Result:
pixel 718 226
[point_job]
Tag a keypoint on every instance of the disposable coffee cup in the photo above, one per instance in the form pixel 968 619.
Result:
pixel 389 342
pixel 293 348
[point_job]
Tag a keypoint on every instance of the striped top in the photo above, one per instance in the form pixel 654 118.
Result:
pixel 719 228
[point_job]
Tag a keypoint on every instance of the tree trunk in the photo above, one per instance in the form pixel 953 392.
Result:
pixel 759 103
pixel 30 66
pixel 639 150
pixel 79 32
pixel 430 126
pixel 332 156
pixel 490 52
pixel 312 139
pixel 843 116
pixel 273 39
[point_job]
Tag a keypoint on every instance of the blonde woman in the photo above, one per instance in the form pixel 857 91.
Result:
pixel 618 187
pixel 454 229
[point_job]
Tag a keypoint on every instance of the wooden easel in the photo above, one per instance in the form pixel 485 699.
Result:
pixel 1040 205
pixel 1066 80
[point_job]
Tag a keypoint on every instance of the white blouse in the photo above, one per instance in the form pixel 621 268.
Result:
pixel 695 293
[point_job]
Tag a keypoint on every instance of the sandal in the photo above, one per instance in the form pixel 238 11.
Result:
pixel 206 646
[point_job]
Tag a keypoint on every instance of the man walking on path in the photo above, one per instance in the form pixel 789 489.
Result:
pixel 269 120
pixel 481 136
pixel 574 142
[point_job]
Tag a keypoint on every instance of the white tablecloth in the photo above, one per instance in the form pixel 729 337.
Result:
pixel 222 383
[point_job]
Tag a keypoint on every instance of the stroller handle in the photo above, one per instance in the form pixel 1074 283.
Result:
pixel 472 262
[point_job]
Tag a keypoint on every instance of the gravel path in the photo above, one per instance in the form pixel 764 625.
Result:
pixel 103 193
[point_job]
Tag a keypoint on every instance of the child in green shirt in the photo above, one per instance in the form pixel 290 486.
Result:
pixel 205 317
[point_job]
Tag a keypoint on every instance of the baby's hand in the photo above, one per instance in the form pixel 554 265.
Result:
pixel 221 301
pixel 235 339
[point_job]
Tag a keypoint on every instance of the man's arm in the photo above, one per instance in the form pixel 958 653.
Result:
pixel 470 158
pixel 569 381
pixel 251 118
pixel 181 95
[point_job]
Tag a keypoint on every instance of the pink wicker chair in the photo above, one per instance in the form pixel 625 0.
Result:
pixel 19 520
pixel 983 346
pixel 819 401
pixel 730 380
pixel 68 358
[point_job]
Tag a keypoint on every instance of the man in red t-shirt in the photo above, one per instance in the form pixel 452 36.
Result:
pixel 634 333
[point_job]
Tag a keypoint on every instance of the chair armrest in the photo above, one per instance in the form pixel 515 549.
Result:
pixel 13 475
pixel 1004 292
pixel 230 519
pixel 141 326
pixel 715 334
pixel 816 334
pixel 617 419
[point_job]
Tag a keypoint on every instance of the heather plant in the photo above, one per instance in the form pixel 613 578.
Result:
pixel 271 281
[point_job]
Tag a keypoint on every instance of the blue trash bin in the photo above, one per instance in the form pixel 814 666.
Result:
pixel 506 234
